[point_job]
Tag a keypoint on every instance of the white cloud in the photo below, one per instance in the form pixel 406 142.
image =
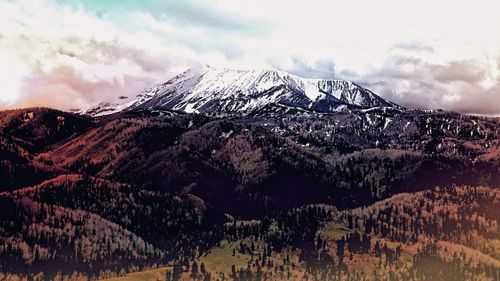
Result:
pixel 13 71
pixel 68 58
pixel 425 53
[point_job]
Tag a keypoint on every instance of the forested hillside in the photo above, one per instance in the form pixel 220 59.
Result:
pixel 262 197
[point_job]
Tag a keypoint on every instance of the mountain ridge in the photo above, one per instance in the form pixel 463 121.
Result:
pixel 143 188
pixel 214 91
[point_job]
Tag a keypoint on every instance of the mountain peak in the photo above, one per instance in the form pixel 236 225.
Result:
pixel 222 91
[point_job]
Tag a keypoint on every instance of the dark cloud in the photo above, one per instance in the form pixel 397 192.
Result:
pixel 465 71
pixel 405 60
pixel 413 83
pixel 348 74
pixel 206 15
pixel 206 44
pixel 108 52
pixel 475 99
pixel 196 13
pixel 323 69
pixel 413 46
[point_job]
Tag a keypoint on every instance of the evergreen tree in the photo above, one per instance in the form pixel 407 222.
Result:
pixel 194 270
pixel 202 268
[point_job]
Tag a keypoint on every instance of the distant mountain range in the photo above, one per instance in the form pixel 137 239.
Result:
pixel 213 91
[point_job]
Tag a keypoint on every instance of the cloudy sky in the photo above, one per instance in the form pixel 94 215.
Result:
pixel 75 53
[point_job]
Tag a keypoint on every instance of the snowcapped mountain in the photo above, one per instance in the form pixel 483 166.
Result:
pixel 215 91
pixel 106 108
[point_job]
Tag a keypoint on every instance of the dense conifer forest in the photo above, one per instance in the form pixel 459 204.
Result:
pixel 363 195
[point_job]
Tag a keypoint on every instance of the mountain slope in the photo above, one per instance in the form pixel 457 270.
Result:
pixel 25 132
pixel 344 158
pixel 164 187
pixel 40 237
pixel 214 91
pixel 130 207
pixel 35 129
pixel 211 90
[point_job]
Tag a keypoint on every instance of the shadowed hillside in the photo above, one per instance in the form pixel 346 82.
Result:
pixel 280 197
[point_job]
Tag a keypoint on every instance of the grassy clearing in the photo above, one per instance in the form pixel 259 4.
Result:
pixel 148 275
pixel 334 231
pixel 221 259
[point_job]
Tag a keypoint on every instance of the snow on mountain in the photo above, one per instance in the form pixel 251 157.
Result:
pixel 106 108
pixel 215 91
